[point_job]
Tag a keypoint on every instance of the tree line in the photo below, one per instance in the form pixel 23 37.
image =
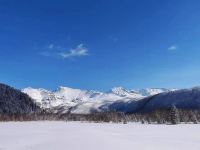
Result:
pixel 159 116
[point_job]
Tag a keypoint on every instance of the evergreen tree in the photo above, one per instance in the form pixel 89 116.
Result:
pixel 194 118
pixel 174 115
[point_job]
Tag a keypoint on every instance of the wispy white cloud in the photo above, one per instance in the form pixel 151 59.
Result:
pixel 53 50
pixel 79 51
pixel 172 48
pixel 51 46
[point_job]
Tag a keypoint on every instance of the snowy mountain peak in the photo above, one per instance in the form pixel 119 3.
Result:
pixel 119 91
pixel 152 91
pixel 36 94
pixel 85 100
pixel 65 89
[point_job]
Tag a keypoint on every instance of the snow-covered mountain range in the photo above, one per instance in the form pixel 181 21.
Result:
pixel 66 99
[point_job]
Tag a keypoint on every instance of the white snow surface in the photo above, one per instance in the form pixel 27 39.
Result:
pixel 84 100
pixel 50 135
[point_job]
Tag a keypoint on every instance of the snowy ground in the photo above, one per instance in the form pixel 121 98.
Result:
pixel 96 136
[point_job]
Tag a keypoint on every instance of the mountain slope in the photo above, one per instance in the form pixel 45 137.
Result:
pixel 14 101
pixel 185 99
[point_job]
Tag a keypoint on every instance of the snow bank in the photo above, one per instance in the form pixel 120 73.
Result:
pixel 91 136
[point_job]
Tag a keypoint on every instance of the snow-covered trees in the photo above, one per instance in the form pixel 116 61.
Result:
pixel 167 116
pixel 174 115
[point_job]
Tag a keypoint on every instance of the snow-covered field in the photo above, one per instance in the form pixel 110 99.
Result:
pixel 97 136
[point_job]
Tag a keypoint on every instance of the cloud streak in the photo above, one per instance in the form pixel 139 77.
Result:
pixel 172 48
pixel 79 51
pixel 59 52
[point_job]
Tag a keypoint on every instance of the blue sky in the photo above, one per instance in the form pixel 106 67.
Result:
pixel 100 44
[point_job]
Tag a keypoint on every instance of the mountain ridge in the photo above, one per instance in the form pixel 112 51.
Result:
pixel 83 101
pixel 68 100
